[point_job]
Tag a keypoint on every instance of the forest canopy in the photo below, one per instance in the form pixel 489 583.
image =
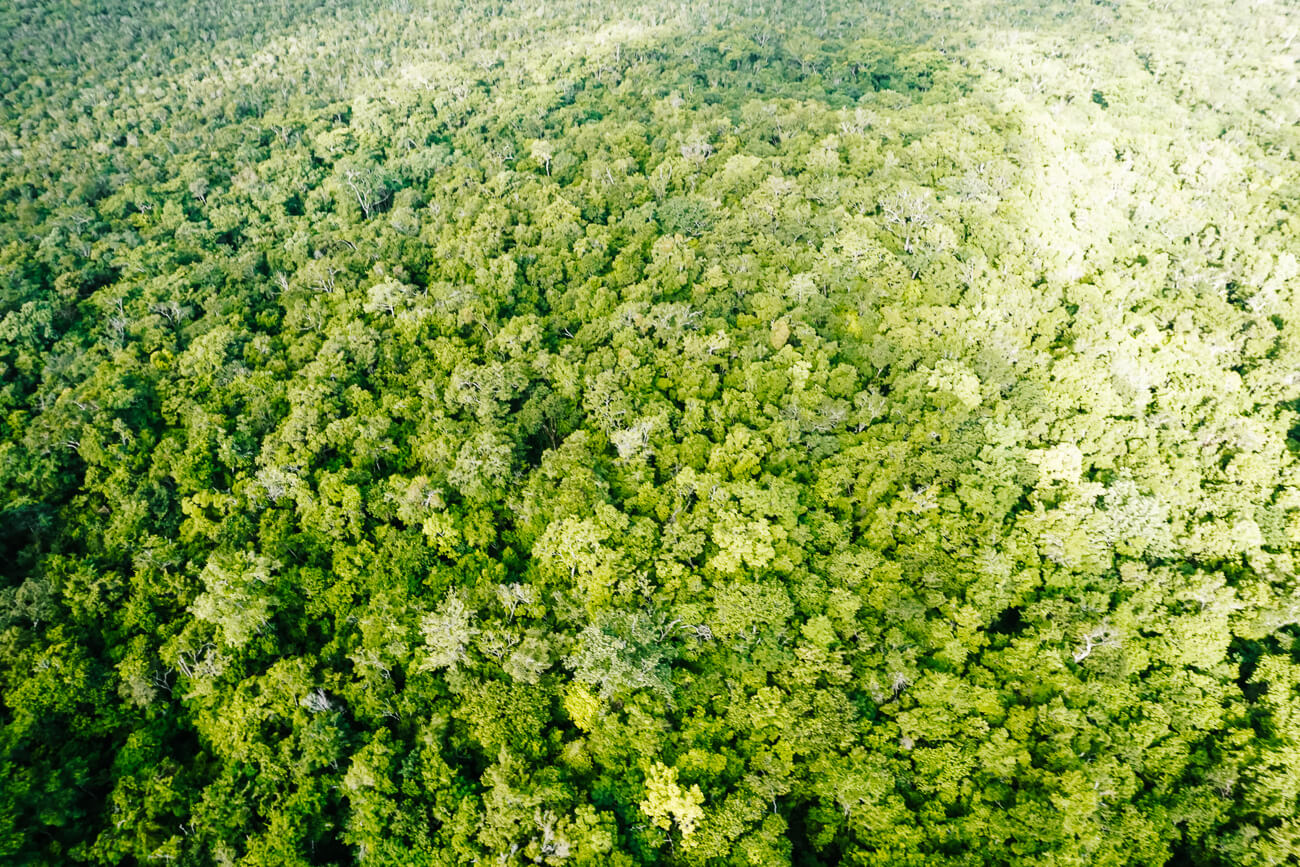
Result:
pixel 649 433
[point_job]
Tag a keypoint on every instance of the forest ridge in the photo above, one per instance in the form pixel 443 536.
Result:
pixel 649 433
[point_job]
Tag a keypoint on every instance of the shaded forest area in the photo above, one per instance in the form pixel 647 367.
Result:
pixel 618 433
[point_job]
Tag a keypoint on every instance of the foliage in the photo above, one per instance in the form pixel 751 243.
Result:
pixel 649 433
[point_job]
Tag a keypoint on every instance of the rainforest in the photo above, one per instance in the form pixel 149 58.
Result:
pixel 596 432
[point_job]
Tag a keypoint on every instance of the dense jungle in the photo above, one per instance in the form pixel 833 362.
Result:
pixel 561 432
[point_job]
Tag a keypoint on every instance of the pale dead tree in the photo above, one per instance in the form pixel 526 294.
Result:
pixel 666 629
pixel 194 662
pixel 116 327
pixel 830 418
pixel 384 297
pixel 632 441
pixel 1102 794
pixel 368 188
pixel 276 482
pixel 391 711
pixel 659 181
pixel 160 680
pixel 371 659
pixel 1102 636
pixel 324 283
pixel 857 125
pixel 696 151
pixel 906 214
pixel 447 634
pixel 543 152
pixel 313 320
pixel 317 701
pixel 514 595
pixel 551 845
pixel 282 132
pixel 701 631
pixel 496 643
pixel 172 312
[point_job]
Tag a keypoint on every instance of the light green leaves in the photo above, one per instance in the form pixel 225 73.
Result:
pixel 621 652
pixel 447 634
pixel 239 595
pixel 667 804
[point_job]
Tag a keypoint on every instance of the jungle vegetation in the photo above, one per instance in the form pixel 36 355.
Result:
pixel 754 432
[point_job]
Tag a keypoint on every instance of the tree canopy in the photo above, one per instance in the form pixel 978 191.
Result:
pixel 796 432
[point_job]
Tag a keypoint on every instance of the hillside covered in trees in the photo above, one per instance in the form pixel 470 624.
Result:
pixel 649 433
